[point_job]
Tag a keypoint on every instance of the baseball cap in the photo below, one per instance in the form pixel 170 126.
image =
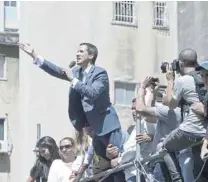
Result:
pixel 202 65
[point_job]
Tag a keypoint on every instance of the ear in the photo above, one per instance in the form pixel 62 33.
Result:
pixel 91 56
pixel 181 64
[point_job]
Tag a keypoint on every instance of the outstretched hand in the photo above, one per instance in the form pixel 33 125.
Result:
pixel 27 49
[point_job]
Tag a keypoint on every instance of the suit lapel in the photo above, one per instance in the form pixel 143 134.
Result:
pixel 89 74
pixel 77 72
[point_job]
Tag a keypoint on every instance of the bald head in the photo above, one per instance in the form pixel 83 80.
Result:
pixel 188 57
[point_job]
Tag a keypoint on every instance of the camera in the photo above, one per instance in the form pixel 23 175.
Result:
pixel 153 81
pixel 174 65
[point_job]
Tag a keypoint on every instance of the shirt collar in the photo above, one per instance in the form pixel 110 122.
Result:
pixel 86 70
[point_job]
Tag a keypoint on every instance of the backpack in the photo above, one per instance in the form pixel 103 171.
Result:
pixel 201 90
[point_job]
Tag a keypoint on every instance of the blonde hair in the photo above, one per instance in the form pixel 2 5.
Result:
pixel 82 142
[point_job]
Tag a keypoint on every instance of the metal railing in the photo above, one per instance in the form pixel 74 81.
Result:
pixel 152 158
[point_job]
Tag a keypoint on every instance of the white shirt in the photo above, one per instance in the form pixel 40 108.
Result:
pixel 59 171
pixel 130 148
pixel 129 154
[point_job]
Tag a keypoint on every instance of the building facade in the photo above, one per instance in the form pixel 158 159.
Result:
pixel 9 85
pixel 133 38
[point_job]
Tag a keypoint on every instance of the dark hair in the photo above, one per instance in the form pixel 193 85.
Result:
pixel 68 138
pixel 91 49
pixel 133 100
pixel 188 57
pixel 42 166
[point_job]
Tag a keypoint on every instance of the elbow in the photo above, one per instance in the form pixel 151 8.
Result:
pixel 169 103
pixel 140 110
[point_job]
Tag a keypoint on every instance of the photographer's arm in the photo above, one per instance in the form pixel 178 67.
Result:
pixel 149 114
pixel 145 109
pixel 174 90
pixel 198 108
pixel 168 99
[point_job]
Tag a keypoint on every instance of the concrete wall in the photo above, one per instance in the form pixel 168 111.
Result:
pixel 193 27
pixel 55 29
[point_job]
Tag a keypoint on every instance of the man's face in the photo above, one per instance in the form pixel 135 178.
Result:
pixel 204 75
pixel 83 57
pixel 133 108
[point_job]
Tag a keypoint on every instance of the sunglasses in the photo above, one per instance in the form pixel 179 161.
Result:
pixel 65 146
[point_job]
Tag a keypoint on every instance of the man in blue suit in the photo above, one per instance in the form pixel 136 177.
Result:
pixel 89 101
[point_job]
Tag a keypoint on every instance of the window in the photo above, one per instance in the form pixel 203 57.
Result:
pixel 2 128
pixel 124 13
pixel 124 93
pixel 10 3
pixel 2 67
pixel 161 20
pixel 10 16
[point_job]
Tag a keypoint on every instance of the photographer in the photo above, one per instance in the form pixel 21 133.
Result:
pixel 193 126
pixel 167 120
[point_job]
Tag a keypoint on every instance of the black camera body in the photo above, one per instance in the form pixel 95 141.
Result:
pixel 153 81
pixel 174 65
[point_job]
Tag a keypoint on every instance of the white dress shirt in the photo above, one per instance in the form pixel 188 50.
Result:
pixel 129 153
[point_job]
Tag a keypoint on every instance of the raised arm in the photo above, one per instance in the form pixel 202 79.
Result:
pixel 45 65
pixel 144 102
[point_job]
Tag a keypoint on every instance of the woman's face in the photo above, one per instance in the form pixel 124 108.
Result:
pixel 45 153
pixel 204 75
pixel 66 149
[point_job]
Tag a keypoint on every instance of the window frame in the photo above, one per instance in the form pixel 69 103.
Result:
pixel 124 82
pixel 11 29
pixel 155 5
pixel 124 23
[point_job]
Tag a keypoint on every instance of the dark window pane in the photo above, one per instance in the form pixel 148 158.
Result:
pixel 1 129
pixel 119 93
pixel 14 3
pixel 130 93
pixel 2 62
pixel 6 3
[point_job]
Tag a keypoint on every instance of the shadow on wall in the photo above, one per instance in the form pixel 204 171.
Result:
pixel 5 163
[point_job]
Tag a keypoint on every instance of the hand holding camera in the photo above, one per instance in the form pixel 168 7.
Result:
pixel 170 69
pixel 151 83
pixel 145 83
pixel 170 75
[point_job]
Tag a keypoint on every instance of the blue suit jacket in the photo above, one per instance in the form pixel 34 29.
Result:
pixel 89 102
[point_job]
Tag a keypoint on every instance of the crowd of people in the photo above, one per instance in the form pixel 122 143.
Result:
pixel 177 125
